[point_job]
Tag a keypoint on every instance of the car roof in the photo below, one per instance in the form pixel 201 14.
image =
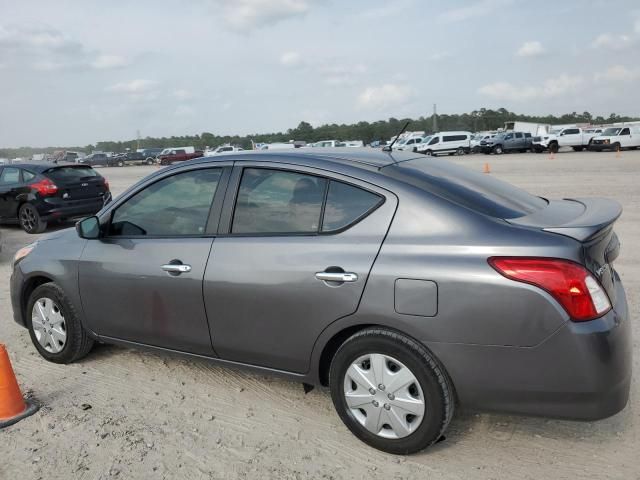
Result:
pixel 366 158
pixel 39 167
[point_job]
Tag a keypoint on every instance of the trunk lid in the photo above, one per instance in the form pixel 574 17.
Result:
pixel 590 222
pixel 77 182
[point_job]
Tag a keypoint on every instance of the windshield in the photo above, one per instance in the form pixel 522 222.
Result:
pixel 610 132
pixel 476 191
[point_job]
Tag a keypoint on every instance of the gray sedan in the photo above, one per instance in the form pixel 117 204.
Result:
pixel 407 284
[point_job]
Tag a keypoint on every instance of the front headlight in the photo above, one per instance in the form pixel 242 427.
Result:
pixel 23 252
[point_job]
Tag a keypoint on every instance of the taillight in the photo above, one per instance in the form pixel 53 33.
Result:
pixel 568 282
pixel 45 187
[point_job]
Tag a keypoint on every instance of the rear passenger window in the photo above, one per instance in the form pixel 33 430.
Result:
pixel 10 175
pixel 625 131
pixel 27 176
pixel 346 204
pixel 276 201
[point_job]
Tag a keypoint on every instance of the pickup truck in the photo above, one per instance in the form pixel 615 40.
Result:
pixel 178 155
pixel 133 158
pixel 506 142
pixel 574 137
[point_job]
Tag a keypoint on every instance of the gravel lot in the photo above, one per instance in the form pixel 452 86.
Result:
pixel 143 415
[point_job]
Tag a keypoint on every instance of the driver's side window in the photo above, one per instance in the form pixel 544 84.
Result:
pixel 174 206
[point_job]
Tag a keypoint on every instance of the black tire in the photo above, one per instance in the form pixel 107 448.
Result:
pixel 432 378
pixel 577 149
pixel 616 147
pixel 460 151
pixel 30 219
pixel 553 147
pixel 428 153
pixel 78 344
pixel 120 163
pixel 498 150
pixel 150 161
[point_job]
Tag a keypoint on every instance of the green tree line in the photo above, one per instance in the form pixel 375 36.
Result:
pixel 477 120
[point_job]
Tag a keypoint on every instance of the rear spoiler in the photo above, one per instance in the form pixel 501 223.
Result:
pixel 578 218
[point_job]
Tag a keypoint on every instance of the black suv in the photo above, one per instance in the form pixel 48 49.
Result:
pixel 35 194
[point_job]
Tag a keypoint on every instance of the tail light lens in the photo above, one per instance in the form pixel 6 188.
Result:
pixel 45 187
pixel 571 284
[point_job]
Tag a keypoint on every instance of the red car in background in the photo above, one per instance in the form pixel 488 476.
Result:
pixel 178 155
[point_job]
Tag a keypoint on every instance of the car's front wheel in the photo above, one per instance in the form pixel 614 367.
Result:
pixel 390 391
pixel 30 219
pixel 54 326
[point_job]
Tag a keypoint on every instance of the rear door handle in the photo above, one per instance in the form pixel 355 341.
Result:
pixel 176 268
pixel 337 276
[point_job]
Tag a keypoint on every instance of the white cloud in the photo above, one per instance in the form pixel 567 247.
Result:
pixel 182 94
pixel 385 96
pixel 185 111
pixel 251 14
pixel 137 86
pixel 104 62
pixel 338 75
pixel 550 88
pixel 613 42
pixel 473 10
pixel 290 59
pixel 531 49
pixel 618 73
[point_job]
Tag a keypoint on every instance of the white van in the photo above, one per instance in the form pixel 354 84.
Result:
pixel 449 143
pixel 617 138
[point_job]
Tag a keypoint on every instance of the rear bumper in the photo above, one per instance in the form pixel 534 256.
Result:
pixel 76 209
pixel 581 372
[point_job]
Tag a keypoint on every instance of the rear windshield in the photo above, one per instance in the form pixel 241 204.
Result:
pixel 476 191
pixel 69 174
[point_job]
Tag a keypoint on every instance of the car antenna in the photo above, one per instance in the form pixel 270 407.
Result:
pixel 387 148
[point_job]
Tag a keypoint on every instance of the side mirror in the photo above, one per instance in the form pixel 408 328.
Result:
pixel 89 228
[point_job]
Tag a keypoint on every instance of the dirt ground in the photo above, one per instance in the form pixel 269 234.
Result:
pixel 135 414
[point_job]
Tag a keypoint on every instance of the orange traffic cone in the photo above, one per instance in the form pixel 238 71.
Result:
pixel 486 168
pixel 13 407
pixel 552 155
pixel 618 154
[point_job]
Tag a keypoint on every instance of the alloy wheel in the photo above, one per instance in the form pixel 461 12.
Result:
pixel 28 218
pixel 49 325
pixel 384 396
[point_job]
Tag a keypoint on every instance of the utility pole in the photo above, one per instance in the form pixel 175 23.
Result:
pixel 435 119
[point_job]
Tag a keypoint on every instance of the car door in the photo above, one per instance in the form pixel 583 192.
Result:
pixel 11 186
pixel 142 281
pixel 625 138
pixel 290 263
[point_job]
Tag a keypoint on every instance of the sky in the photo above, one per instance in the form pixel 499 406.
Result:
pixel 74 72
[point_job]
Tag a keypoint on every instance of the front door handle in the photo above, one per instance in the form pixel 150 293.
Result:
pixel 337 276
pixel 177 269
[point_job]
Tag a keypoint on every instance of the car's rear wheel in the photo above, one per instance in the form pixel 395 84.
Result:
pixel 54 326
pixel 30 220
pixel 460 151
pixel 150 161
pixel 390 391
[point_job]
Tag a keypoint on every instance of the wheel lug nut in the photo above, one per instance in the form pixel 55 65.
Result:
pixel 381 387
pixel 375 403
pixel 391 396
pixel 387 406
pixel 372 391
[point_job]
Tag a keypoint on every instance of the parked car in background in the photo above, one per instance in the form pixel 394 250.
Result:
pixel 575 137
pixel 505 142
pixel 225 149
pixel 617 138
pixel 448 143
pixel 408 285
pixel 35 194
pixel 409 144
pixel 351 144
pixel 326 143
pixel 527 127
pixel 98 160
pixel 478 138
pixel 151 154
pixel 133 158
pixel 178 155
